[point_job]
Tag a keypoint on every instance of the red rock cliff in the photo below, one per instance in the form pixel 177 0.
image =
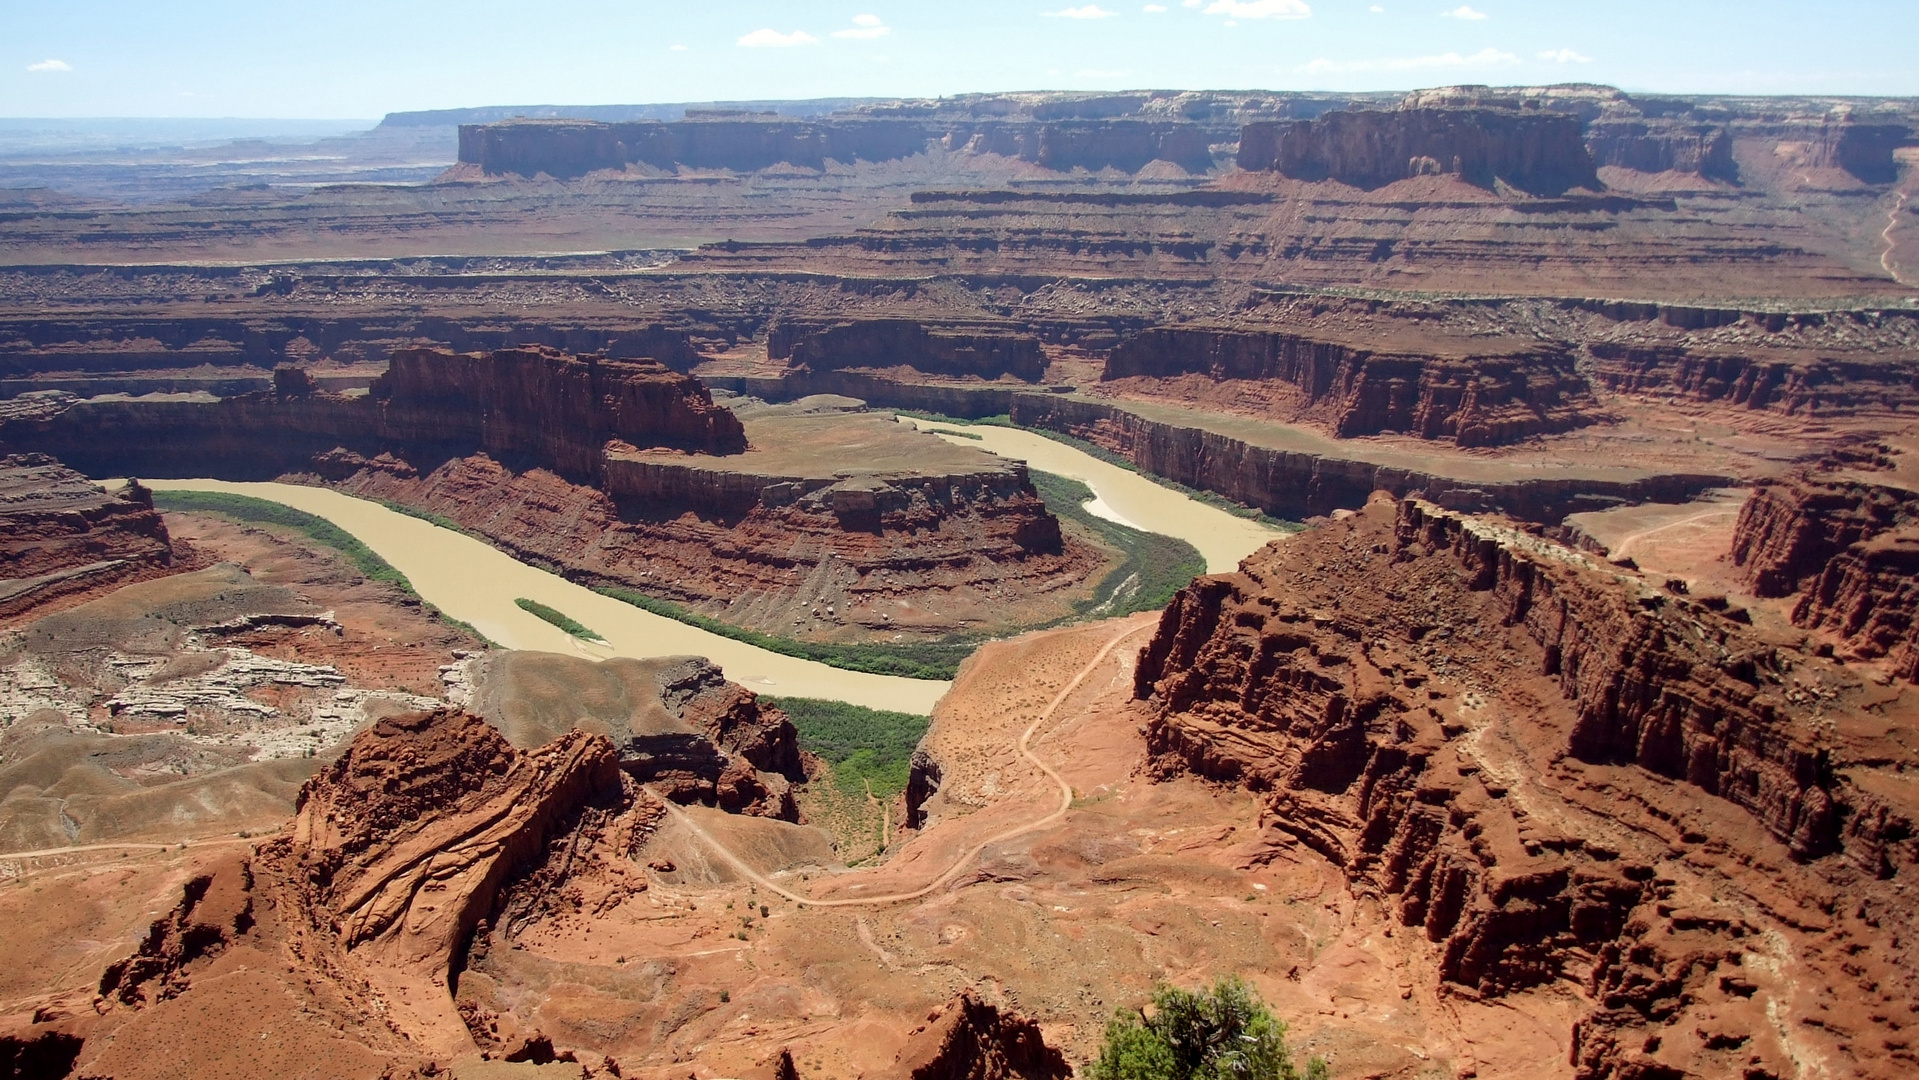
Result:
pixel 556 408
pixel 1850 548
pixel 1493 734
pixel 553 408
pixel 59 532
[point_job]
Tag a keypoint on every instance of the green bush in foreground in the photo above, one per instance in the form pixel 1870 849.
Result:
pixel 1225 1033
pixel 557 617
pixel 864 746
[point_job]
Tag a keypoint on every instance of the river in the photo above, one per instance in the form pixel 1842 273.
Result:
pixel 1125 496
pixel 478 584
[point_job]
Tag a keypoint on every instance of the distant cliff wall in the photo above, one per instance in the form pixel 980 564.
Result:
pixel 1127 145
pixel 566 149
pixel 551 408
pixel 987 353
pixel 1541 153
pixel 1473 400
pixel 1662 146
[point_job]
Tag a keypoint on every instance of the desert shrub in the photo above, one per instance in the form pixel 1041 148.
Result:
pixel 557 617
pixel 1154 566
pixel 262 512
pixel 917 660
pixel 1225 1033
pixel 245 508
pixel 864 746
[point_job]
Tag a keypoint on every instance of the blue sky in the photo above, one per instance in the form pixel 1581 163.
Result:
pixel 356 58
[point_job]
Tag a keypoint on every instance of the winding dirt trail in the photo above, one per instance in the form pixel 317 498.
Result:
pixel 966 858
pixel 1620 549
pixel 1892 222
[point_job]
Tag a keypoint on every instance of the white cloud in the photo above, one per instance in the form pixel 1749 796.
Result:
pixel 1464 11
pixel 867 20
pixel 1565 56
pixel 1153 9
pixel 50 65
pixel 1484 58
pixel 676 48
pixel 1090 11
pixel 773 39
pixel 1377 10
pixel 1260 9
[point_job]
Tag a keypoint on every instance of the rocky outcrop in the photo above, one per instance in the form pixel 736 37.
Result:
pixel 536 404
pixel 969 1039
pixel 1064 145
pixel 356 921
pixel 1227 664
pixel 567 149
pixel 214 910
pixel 40 1052
pixel 1865 151
pixel 957 352
pixel 1850 548
pixel 1790 529
pixel 1868 595
pixel 405 843
pixel 675 722
pixel 556 409
pixel 1472 400
pixel 1539 153
pixel 60 533
pixel 104 353
pixel 1393 688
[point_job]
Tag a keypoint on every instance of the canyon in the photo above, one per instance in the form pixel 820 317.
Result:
pixel 1564 728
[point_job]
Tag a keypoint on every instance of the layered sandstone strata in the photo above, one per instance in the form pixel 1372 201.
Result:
pixel 985 352
pixel 626 473
pixel 1541 153
pixel 832 526
pixel 566 149
pixel 1794 385
pixel 357 919
pixel 533 404
pixel 1398 687
pixel 1850 548
pixel 557 409
pixel 1063 145
pixel 61 533
pixel 1471 400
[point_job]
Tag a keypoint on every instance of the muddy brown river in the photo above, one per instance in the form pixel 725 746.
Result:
pixel 477 584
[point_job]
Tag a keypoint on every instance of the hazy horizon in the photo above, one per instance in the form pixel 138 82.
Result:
pixel 115 59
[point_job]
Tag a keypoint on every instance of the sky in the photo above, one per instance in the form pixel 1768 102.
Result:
pixel 364 58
